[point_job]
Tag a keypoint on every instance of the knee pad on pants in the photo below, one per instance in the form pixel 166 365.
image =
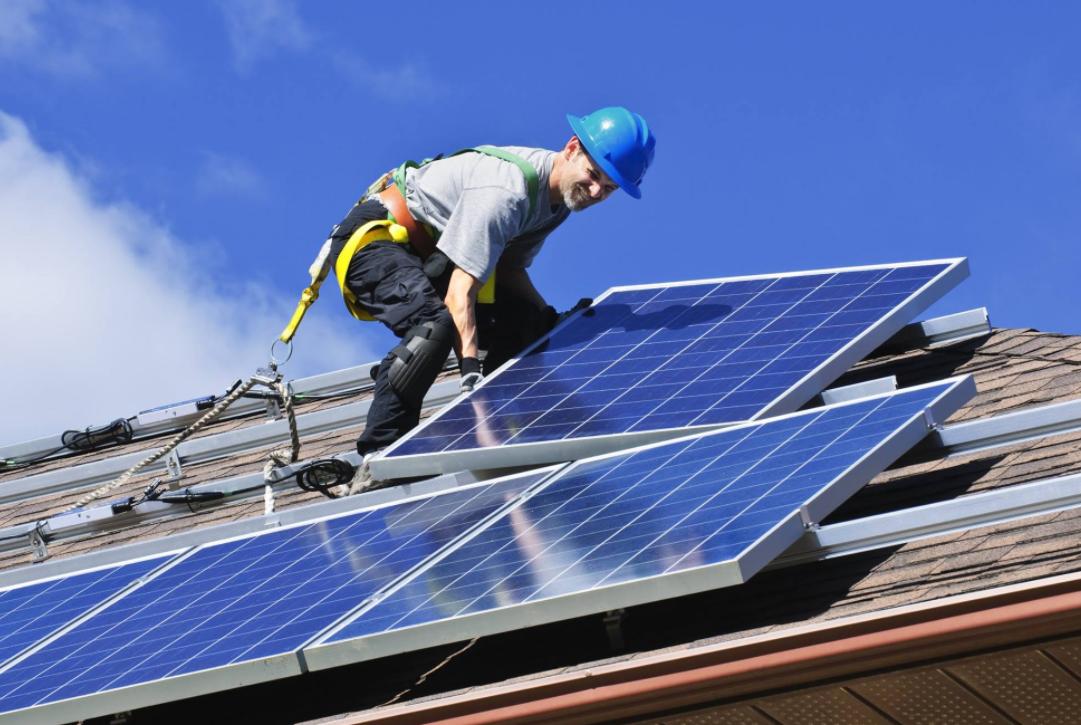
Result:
pixel 419 358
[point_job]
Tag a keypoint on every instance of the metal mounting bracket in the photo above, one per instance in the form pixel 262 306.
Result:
pixel 37 543
pixel 273 409
pixel 805 519
pixel 268 376
pixel 929 419
pixel 176 471
pixel 613 624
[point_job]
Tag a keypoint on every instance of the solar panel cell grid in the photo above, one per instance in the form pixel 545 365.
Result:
pixel 30 613
pixel 660 510
pixel 672 357
pixel 246 599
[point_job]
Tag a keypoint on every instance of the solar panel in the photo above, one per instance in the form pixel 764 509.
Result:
pixel 652 523
pixel 253 598
pixel 32 612
pixel 656 362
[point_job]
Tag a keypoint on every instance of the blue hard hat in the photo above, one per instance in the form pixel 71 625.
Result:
pixel 620 142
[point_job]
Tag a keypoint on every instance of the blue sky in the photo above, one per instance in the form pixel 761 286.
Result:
pixel 168 170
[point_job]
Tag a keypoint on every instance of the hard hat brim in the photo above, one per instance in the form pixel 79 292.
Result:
pixel 602 160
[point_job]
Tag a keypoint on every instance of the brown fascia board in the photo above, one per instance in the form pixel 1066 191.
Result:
pixel 797 657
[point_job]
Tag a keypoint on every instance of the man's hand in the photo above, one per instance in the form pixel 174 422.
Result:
pixel 583 304
pixel 471 377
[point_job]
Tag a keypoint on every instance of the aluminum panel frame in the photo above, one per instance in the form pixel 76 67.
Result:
pixel 289 517
pixel 181 687
pixel 531 454
pixel 387 467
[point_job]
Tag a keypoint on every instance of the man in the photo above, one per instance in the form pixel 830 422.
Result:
pixel 479 212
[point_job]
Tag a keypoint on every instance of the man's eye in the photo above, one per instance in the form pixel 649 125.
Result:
pixel 593 175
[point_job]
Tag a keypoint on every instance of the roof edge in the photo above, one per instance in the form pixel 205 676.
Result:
pixel 999 617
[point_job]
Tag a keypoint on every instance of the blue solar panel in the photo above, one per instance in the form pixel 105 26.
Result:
pixel 663 509
pixel 30 613
pixel 671 357
pixel 246 599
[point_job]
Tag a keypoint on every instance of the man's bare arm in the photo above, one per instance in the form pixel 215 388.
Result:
pixel 461 300
pixel 519 281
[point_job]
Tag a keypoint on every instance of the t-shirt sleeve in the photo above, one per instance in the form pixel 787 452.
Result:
pixel 484 218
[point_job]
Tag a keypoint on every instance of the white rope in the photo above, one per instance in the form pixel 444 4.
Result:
pixel 282 456
pixel 162 452
pixel 276 459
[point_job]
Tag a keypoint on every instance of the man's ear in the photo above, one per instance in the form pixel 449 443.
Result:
pixel 572 147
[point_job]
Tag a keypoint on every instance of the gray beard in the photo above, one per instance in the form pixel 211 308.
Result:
pixel 576 198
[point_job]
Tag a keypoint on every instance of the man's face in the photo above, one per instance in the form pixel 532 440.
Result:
pixel 584 183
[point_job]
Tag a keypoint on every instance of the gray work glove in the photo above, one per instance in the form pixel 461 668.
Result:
pixel 471 376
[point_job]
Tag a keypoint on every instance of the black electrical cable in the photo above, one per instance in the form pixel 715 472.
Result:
pixel 189 496
pixel 186 497
pixel 336 394
pixel 90 439
pixel 324 475
pixel 81 441
pixel 12 464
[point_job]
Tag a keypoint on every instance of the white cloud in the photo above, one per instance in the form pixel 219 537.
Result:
pixel 78 39
pixel 107 313
pixel 404 83
pixel 19 25
pixel 229 176
pixel 260 28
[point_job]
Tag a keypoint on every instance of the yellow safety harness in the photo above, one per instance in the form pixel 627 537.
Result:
pixel 389 230
pixel 378 230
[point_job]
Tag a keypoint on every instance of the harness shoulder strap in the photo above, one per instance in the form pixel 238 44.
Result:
pixel 532 180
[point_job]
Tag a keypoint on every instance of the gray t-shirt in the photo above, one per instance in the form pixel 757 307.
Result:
pixel 479 203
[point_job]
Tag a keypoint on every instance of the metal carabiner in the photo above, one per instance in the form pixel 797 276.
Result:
pixel 274 361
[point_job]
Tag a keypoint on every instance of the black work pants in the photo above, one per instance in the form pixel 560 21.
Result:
pixel 389 283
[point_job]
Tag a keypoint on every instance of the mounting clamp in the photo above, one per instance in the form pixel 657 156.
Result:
pixel 612 622
pixel 37 543
pixel 172 464
pixel 929 420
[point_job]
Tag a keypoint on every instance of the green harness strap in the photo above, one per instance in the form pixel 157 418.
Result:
pixel 532 181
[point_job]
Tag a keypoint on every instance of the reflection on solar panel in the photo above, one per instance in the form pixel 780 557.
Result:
pixel 651 362
pixel 30 613
pixel 652 523
pixel 246 599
